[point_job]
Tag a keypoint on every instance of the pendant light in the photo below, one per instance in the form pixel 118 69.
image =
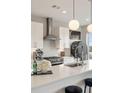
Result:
pixel 89 28
pixel 73 24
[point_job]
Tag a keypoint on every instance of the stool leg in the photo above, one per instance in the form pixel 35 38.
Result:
pixel 89 89
pixel 85 89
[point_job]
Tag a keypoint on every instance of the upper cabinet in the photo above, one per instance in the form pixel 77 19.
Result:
pixel 36 35
pixel 64 32
pixel 64 37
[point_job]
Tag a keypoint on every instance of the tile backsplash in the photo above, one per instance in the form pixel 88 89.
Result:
pixel 49 48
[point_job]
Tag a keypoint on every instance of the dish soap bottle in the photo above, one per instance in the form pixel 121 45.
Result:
pixel 35 67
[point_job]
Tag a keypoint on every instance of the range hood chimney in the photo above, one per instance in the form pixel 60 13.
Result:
pixel 49 34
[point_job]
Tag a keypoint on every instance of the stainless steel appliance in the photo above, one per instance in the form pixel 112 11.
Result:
pixel 79 50
pixel 49 34
pixel 54 60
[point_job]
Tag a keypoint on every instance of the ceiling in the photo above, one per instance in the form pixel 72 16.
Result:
pixel 44 8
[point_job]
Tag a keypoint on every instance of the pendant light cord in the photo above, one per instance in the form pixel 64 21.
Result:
pixel 73 9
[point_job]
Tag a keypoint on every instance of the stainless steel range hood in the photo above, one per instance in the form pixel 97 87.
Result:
pixel 49 34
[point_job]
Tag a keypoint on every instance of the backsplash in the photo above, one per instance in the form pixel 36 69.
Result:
pixel 49 48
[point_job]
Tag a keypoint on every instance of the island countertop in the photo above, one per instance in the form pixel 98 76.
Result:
pixel 59 72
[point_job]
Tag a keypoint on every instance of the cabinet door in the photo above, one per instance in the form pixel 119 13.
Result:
pixel 36 35
pixel 64 37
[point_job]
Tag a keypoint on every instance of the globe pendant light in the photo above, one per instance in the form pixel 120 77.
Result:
pixel 89 28
pixel 73 24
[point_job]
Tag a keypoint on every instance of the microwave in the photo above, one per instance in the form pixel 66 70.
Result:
pixel 75 35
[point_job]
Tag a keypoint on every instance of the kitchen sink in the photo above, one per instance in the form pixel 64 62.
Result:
pixel 74 65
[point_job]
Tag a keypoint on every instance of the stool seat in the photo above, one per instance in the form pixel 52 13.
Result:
pixel 73 89
pixel 88 82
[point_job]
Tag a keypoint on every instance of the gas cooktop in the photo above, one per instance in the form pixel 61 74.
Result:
pixel 55 60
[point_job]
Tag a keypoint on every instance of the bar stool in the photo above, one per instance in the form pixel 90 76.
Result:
pixel 88 82
pixel 73 89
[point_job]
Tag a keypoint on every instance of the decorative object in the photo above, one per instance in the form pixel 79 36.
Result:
pixel 79 51
pixel 37 55
pixel 44 65
pixel 73 24
pixel 62 53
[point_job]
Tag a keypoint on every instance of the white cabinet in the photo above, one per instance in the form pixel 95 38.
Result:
pixel 64 37
pixel 36 35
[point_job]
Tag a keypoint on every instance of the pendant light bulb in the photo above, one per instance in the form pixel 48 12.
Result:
pixel 73 24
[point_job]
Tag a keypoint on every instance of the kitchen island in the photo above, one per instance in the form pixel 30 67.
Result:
pixel 62 76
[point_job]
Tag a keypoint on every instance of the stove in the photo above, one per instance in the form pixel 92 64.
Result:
pixel 54 60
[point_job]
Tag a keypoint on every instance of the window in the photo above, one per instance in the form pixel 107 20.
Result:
pixel 90 39
pixel 90 44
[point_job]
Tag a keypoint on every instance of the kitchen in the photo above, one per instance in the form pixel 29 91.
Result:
pixel 51 36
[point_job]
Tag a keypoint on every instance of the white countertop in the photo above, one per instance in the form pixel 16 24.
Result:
pixel 59 72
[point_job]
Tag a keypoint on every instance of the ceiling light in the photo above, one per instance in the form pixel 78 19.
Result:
pixel 58 7
pixel 55 6
pixel 74 24
pixel 64 12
